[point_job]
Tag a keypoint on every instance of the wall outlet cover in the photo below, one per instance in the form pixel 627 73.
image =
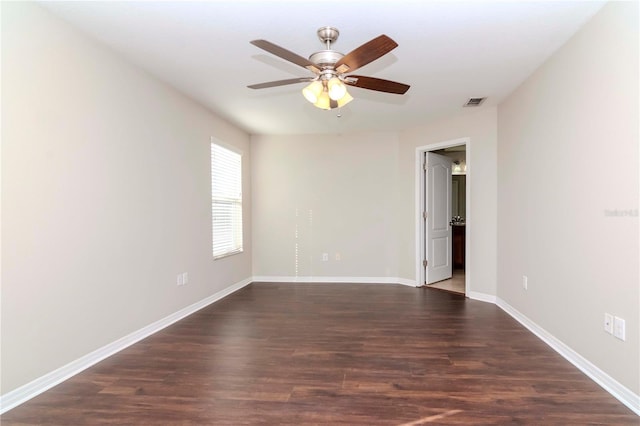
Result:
pixel 608 323
pixel 619 328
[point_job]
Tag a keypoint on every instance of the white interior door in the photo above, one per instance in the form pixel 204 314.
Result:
pixel 437 226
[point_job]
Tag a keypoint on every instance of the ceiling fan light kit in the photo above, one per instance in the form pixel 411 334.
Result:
pixel 328 88
pixel 312 91
pixel 324 102
pixel 321 92
pixel 337 90
pixel 344 100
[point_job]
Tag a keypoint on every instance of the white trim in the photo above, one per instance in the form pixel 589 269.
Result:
pixel 36 387
pixel 419 201
pixel 608 383
pixel 333 280
pixel 483 297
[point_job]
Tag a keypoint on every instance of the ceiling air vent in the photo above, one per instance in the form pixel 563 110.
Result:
pixel 474 102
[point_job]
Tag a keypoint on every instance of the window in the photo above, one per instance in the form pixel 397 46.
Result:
pixel 226 201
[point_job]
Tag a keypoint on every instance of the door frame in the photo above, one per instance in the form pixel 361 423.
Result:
pixel 420 198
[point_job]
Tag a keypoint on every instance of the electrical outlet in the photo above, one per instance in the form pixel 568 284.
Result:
pixel 525 282
pixel 619 328
pixel 325 257
pixel 180 280
pixel 608 323
pixel 338 257
pixel 185 278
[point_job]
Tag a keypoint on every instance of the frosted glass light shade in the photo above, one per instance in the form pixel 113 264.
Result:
pixel 312 91
pixel 345 99
pixel 323 102
pixel 337 89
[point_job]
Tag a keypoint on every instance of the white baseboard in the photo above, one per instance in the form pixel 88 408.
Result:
pixel 483 297
pixel 608 383
pixel 36 387
pixel 342 280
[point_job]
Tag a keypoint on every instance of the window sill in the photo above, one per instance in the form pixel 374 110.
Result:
pixel 231 253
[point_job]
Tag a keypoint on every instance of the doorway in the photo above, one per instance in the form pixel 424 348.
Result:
pixel 430 238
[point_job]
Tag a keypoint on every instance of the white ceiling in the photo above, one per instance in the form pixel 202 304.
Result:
pixel 448 52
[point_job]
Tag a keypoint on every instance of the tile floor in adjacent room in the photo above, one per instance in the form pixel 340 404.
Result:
pixel 454 284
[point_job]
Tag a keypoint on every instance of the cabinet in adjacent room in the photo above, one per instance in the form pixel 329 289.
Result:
pixel 458 246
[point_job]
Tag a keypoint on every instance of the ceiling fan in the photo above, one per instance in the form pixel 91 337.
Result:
pixel 327 88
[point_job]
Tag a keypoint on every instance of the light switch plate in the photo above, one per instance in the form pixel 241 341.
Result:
pixel 619 328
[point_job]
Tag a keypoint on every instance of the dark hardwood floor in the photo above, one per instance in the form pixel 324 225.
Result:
pixel 303 354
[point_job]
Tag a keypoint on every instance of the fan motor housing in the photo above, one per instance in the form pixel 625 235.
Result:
pixel 325 58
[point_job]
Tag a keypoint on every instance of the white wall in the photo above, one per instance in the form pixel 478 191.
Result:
pixel 105 197
pixel 568 154
pixel 325 194
pixel 480 126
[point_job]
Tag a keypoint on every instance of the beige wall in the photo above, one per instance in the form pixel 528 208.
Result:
pixel 105 197
pixel 325 194
pixel 568 154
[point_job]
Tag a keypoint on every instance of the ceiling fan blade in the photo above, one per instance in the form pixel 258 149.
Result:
pixel 280 83
pixel 377 84
pixel 366 53
pixel 285 54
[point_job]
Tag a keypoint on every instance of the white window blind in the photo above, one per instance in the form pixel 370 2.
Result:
pixel 226 201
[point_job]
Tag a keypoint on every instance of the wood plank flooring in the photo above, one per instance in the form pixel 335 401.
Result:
pixel 298 354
